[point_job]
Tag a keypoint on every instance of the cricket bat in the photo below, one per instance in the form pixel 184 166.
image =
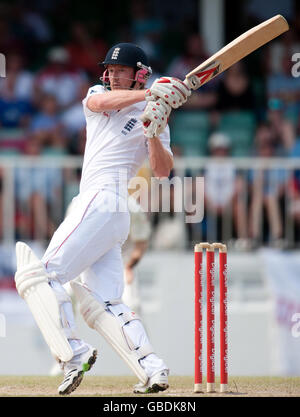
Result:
pixel 236 50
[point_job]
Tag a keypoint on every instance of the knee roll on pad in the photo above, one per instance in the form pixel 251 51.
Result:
pixel 100 317
pixel 33 286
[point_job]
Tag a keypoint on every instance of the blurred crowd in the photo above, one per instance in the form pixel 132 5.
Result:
pixel 250 110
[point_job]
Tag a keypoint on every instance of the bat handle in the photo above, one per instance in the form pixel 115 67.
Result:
pixel 187 83
pixel 192 82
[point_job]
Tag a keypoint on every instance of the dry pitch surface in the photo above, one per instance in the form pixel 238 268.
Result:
pixel 95 386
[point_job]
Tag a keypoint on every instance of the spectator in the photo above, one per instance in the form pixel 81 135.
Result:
pixel 234 92
pixel 224 192
pixel 296 27
pixel 59 78
pixel 74 123
pixel 294 202
pixel 15 107
pixel 33 28
pixel 84 50
pixel 147 30
pixel 46 127
pixel 9 41
pixel 294 191
pixel 282 130
pixel 36 189
pixel 14 113
pixel 277 51
pixel 266 192
pixel 285 87
pixel 18 83
pixel 194 54
pixel 37 25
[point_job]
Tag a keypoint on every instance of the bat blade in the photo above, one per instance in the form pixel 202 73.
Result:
pixel 236 50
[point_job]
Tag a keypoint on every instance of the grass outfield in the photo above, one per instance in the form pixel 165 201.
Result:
pixel 180 386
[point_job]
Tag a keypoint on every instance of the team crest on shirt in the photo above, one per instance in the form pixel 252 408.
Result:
pixel 129 126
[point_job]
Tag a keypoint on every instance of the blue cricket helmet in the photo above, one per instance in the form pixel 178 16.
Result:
pixel 126 54
pixel 130 55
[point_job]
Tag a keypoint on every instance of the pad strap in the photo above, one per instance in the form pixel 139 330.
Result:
pixel 141 351
pixel 113 302
pixel 127 317
pixel 144 350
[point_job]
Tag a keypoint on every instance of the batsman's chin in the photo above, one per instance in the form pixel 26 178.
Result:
pixel 118 87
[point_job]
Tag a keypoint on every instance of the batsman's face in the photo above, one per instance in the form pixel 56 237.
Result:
pixel 120 76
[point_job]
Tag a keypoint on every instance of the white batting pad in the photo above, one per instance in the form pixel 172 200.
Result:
pixel 110 327
pixel 32 285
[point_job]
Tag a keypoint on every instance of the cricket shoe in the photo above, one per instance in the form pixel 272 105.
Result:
pixel 157 382
pixel 75 369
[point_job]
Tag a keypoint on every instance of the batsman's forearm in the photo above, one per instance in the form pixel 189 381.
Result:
pixel 161 161
pixel 115 100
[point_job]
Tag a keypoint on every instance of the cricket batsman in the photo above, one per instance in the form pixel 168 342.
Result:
pixel 125 123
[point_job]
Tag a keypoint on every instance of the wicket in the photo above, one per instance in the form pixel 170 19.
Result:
pixel 210 315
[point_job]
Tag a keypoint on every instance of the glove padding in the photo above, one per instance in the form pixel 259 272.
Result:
pixel 155 117
pixel 172 90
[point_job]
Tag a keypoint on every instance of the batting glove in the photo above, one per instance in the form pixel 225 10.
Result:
pixel 155 118
pixel 172 90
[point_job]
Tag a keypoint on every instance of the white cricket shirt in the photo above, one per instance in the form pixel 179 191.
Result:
pixel 115 145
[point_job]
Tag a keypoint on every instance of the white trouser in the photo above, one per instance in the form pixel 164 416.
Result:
pixel 88 232
pixel 88 243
